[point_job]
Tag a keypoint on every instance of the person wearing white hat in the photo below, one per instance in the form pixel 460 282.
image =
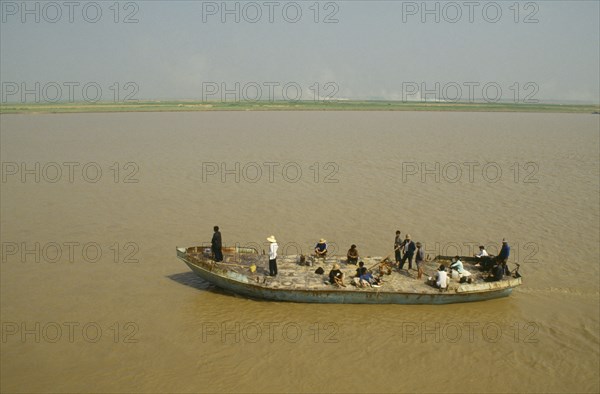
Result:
pixel 321 248
pixel 272 255
pixel 336 277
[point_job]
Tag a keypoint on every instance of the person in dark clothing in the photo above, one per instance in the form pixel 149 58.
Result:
pixel 361 270
pixel 420 260
pixel 504 252
pixel 336 277
pixel 352 255
pixel 397 247
pixel 409 250
pixel 321 248
pixel 216 245
pixel 497 273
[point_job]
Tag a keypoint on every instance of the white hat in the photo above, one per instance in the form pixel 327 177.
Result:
pixel 271 239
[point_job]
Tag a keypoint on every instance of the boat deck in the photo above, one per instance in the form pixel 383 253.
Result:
pixel 294 276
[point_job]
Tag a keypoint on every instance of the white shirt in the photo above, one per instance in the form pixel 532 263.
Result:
pixel 442 279
pixel 458 265
pixel 273 250
pixel 482 253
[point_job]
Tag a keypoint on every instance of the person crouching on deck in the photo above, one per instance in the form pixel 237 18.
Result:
pixel 459 267
pixel 321 248
pixel 272 255
pixel 352 255
pixel 336 277
pixel 484 258
pixel 441 278
pixel 360 272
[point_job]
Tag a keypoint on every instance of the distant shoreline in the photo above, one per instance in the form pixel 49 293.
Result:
pixel 202 106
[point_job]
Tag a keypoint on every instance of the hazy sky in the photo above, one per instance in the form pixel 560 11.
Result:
pixel 544 50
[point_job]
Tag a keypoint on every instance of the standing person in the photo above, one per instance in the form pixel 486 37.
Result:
pixel 420 260
pixel 216 245
pixel 504 252
pixel 397 247
pixel 409 250
pixel 272 255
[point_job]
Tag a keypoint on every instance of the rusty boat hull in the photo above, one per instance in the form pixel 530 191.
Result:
pixel 301 284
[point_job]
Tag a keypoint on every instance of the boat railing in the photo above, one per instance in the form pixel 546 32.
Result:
pixel 226 249
pixel 204 249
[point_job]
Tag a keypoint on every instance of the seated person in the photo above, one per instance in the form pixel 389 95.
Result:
pixel 441 277
pixel 482 252
pixel 361 270
pixel 352 255
pixel 385 268
pixel 362 275
pixel 336 277
pixel 375 281
pixel 366 279
pixel 459 267
pixel 497 273
pixel 321 248
pixel 483 256
pixel 369 280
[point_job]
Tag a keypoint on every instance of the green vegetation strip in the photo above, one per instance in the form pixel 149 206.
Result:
pixel 188 106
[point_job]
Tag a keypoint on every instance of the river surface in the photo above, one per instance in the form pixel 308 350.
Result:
pixel 93 298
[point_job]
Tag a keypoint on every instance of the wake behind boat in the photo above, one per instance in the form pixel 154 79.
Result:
pixel 244 271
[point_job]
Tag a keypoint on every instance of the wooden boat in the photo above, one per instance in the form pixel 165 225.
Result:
pixel 244 271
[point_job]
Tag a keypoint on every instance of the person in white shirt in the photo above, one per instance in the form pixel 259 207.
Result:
pixel 483 256
pixel 441 277
pixel 273 255
pixel 459 267
pixel 482 252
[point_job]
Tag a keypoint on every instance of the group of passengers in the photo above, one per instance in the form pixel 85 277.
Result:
pixel 496 267
pixel 405 250
pixel 362 278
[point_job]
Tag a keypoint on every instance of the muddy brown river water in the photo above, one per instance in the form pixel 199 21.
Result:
pixel 93 298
